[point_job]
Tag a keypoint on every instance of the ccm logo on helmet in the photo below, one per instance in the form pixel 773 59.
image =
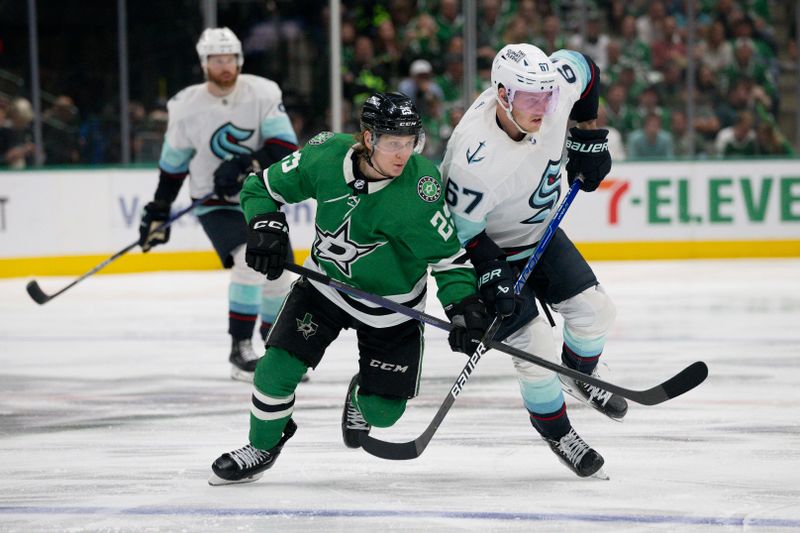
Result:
pixel 274 224
pixel 587 148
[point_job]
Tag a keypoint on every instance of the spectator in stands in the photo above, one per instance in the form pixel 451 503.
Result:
pixel 739 139
pixel 421 88
pixel 706 122
pixel 388 53
pixel 16 139
pixel 671 87
pixel 634 49
pixel 770 141
pixel 616 146
pixel 533 13
pixel 518 31
pixel 552 38
pixel 615 14
pixel 669 47
pixel 725 11
pixel 738 100
pixel 490 25
pixel 60 132
pixel 596 43
pixel 682 136
pixel 715 51
pixel 364 76
pixel 649 105
pixel 648 26
pixel 746 65
pixel 619 114
pixel 448 20
pixel 452 80
pixel 421 40
pixel 650 142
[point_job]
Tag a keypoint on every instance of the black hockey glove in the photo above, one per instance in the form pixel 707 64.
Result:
pixel 154 214
pixel 471 321
pixel 588 157
pixel 228 176
pixel 496 283
pixel 268 244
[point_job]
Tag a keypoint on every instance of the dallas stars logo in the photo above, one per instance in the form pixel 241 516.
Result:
pixel 306 326
pixel 338 248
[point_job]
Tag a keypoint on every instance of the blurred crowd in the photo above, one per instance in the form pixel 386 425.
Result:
pixel 417 46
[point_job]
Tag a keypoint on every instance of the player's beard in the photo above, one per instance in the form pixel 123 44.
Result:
pixel 221 82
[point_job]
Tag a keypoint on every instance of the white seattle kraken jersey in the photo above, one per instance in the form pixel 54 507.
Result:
pixel 510 188
pixel 203 129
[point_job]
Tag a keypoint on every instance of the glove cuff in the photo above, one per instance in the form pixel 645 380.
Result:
pixel 158 207
pixel 458 308
pixel 588 135
pixel 272 216
pixel 482 249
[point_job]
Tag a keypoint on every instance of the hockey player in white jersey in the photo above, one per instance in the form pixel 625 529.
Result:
pixel 503 170
pixel 217 132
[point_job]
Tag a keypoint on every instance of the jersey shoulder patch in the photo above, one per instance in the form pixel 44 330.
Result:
pixel 321 138
pixel 429 189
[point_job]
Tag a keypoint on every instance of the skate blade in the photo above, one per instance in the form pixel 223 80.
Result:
pixel 567 387
pixel 601 474
pixel 216 481
pixel 241 375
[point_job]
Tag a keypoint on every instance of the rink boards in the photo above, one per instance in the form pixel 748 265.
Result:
pixel 63 222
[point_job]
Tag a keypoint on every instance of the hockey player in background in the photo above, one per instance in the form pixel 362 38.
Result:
pixel 502 170
pixel 381 221
pixel 217 132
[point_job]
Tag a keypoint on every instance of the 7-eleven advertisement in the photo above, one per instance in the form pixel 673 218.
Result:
pixel 681 208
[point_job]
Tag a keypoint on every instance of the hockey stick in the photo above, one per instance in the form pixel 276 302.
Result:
pixel 40 297
pixel 687 379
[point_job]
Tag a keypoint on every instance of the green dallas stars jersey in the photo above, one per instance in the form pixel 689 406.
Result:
pixel 379 236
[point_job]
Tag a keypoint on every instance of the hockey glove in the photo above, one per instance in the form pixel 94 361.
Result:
pixel 588 157
pixel 154 214
pixel 228 176
pixel 496 284
pixel 471 321
pixel 268 244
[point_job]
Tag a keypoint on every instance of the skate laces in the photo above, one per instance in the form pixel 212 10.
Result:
pixel 572 447
pixel 245 348
pixel 355 420
pixel 248 456
pixel 596 393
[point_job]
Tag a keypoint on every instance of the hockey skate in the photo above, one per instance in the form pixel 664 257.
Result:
pixel 612 405
pixel 577 455
pixel 247 464
pixel 243 360
pixel 353 422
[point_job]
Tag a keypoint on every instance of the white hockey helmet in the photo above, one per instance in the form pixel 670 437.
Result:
pixel 218 41
pixel 525 68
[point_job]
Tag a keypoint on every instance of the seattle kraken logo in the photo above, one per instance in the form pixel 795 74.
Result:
pixel 546 194
pixel 473 157
pixel 338 248
pixel 225 141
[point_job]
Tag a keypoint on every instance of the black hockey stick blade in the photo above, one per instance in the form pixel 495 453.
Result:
pixel 37 293
pixel 684 381
pixel 403 451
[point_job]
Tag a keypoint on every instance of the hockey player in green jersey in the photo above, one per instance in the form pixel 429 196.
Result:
pixel 381 222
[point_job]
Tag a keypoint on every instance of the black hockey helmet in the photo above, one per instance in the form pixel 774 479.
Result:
pixel 392 114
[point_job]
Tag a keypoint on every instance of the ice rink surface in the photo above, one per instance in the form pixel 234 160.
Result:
pixel 115 399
